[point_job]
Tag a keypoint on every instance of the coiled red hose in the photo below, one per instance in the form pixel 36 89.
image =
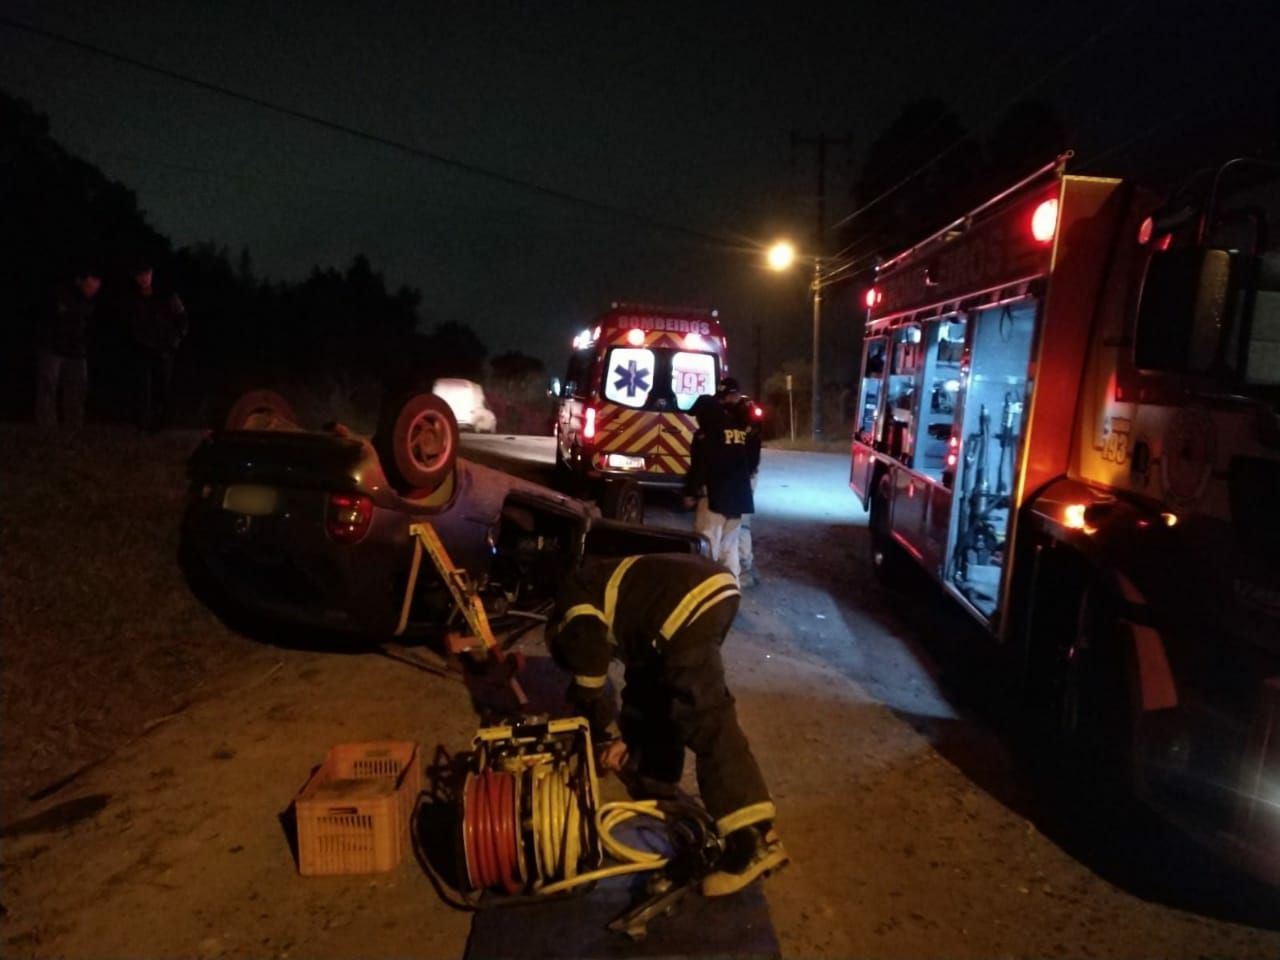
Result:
pixel 490 831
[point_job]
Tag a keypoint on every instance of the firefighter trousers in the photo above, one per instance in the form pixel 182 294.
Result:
pixel 679 699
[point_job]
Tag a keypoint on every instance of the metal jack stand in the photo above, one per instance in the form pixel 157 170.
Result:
pixel 478 642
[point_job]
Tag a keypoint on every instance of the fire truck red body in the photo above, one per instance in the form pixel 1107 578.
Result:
pixel 1067 417
pixel 624 420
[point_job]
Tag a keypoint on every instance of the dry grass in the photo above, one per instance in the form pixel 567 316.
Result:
pixel 100 632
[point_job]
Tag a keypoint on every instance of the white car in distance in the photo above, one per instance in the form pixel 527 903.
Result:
pixel 466 399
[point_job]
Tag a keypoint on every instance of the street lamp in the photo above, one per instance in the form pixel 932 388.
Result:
pixel 780 257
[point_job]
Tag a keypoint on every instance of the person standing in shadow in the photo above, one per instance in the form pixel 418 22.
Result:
pixel 62 351
pixel 156 326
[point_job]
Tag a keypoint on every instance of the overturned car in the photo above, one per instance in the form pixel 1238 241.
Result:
pixel 313 527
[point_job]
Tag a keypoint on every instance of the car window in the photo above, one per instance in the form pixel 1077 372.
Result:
pixel 692 375
pixel 629 376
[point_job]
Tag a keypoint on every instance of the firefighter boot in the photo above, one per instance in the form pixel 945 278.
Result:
pixel 748 853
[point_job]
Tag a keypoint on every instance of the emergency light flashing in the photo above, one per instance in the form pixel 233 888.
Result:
pixel 1045 220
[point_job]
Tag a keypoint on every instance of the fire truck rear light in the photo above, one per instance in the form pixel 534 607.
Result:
pixel 951 459
pixel 757 412
pixel 1145 231
pixel 349 516
pixel 872 297
pixel 1170 519
pixel 693 341
pixel 1073 515
pixel 1045 220
pixel 635 337
pixel 589 424
pixel 1165 242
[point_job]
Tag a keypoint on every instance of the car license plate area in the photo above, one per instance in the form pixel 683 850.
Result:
pixel 251 500
pixel 618 461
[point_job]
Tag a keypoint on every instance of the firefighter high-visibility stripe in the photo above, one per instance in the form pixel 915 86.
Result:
pixel 745 817
pixel 685 608
pixel 712 600
pixel 584 610
pixel 590 682
pixel 611 590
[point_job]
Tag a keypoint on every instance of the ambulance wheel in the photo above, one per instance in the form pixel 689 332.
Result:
pixel 623 500
pixel 260 410
pixel 887 560
pixel 417 442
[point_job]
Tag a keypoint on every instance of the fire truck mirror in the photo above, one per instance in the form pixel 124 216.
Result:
pixel 1182 310
pixel 1262 362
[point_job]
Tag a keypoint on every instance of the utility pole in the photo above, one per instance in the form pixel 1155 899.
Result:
pixel 757 388
pixel 821 142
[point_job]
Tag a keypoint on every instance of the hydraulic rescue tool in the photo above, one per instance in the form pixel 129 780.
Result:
pixel 531 825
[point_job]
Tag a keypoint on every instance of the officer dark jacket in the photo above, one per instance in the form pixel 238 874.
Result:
pixel 721 460
pixel 67 332
pixel 156 323
pixel 741 414
pixel 631 609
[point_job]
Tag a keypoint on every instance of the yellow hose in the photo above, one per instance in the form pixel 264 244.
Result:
pixel 608 818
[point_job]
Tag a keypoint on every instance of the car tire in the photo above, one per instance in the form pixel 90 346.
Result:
pixel 260 410
pixel 417 442
pixel 623 500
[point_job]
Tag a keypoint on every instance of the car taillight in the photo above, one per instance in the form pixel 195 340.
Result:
pixel 589 424
pixel 348 517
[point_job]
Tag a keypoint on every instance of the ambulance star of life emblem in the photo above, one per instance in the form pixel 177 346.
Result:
pixel 630 379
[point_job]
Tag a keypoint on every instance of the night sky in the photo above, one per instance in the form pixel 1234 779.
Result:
pixel 678 112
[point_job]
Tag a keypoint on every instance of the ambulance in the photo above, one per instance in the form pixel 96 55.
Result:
pixel 1069 418
pixel 624 421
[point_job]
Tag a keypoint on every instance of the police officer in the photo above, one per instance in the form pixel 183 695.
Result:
pixel 665 617
pixel 719 470
pixel 739 409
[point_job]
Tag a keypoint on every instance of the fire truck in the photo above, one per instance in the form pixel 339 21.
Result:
pixel 1068 417
pixel 624 420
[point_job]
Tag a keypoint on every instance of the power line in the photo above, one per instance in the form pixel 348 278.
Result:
pixel 1008 103
pixel 461 165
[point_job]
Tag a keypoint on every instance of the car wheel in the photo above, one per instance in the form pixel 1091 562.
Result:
pixel 260 410
pixel 623 500
pixel 417 442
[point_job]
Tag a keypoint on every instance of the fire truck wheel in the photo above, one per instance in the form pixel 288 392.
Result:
pixel 887 560
pixel 623 500
pixel 1092 724
pixel 417 442
pixel 260 410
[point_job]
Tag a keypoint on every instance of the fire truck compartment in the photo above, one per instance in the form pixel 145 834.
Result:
pixel 991 401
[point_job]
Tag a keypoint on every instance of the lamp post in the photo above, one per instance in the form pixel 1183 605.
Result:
pixel 780 257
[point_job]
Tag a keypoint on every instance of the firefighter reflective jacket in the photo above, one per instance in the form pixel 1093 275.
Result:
pixel 631 609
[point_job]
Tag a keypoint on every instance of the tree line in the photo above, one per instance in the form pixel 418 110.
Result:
pixel 335 340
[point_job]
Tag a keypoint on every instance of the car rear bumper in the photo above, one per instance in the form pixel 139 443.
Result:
pixel 285 566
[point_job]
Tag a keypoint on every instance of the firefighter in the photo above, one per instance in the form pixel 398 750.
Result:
pixel 665 617
pixel 720 472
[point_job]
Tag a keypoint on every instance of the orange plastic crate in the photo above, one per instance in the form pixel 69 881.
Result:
pixel 353 814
